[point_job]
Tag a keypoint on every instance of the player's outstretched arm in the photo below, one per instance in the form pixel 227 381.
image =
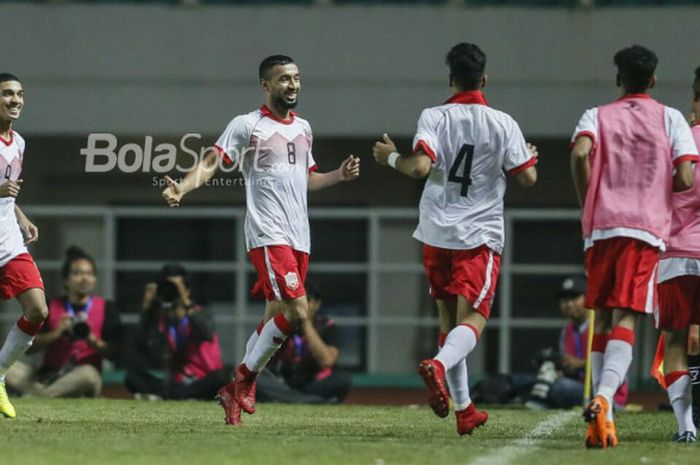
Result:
pixel 198 176
pixel 349 170
pixel 417 165
pixel 29 229
pixel 581 167
pixel 528 177
pixel 683 178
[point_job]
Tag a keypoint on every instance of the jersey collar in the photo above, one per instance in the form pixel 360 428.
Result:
pixel 10 140
pixel 469 96
pixel 267 112
pixel 629 96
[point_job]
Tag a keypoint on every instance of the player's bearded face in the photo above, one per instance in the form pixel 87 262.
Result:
pixel 285 85
pixel 12 100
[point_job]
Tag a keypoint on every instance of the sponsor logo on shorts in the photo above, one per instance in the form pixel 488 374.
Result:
pixel 292 281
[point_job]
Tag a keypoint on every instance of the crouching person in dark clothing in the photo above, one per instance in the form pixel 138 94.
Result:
pixel 303 371
pixel 180 337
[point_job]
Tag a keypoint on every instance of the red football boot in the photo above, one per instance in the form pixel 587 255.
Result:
pixel 433 374
pixel 227 399
pixel 244 383
pixel 470 418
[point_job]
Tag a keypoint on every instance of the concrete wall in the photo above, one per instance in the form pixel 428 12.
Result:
pixel 132 69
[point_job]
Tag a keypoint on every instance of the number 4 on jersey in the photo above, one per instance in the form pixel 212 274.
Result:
pixel 464 179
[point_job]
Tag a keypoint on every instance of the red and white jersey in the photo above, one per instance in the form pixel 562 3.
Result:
pixel 11 240
pixel 637 142
pixel 275 159
pixel 682 256
pixel 472 147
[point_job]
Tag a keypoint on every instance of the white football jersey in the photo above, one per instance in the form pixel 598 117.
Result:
pixel 11 240
pixel 473 148
pixel 275 159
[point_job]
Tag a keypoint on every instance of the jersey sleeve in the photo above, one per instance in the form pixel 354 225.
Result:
pixel 681 137
pixel 426 138
pixel 235 139
pixel 310 162
pixel 20 144
pixel 587 126
pixel 518 157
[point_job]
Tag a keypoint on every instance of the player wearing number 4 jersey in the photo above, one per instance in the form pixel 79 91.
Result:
pixel 19 276
pixel 272 147
pixel 467 150
pixel 627 159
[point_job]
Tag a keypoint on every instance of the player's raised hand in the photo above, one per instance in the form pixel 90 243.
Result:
pixel 173 193
pixel 10 188
pixel 350 168
pixel 382 149
pixel 533 150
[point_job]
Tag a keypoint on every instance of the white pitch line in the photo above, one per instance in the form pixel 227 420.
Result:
pixel 526 444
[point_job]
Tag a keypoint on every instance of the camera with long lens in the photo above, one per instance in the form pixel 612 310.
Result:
pixel 167 294
pixel 80 328
pixel 549 362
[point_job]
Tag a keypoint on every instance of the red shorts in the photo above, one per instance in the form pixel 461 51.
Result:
pixel 19 275
pixel 679 303
pixel 281 272
pixel 622 274
pixel 470 273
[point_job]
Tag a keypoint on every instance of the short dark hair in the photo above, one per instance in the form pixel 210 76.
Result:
pixel 74 254
pixel 272 61
pixel 174 269
pixel 635 67
pixel 4 77
pixel 467 63
pixel 696 84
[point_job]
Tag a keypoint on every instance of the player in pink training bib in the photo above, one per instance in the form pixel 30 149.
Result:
pixel 466 149
pixel 19 275
pixel 679 296
pixel 272 148
pixel 623 159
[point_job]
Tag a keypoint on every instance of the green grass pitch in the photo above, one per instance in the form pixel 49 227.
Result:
pixel 111 432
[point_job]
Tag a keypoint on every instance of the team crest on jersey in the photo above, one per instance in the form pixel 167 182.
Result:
pixel 292 281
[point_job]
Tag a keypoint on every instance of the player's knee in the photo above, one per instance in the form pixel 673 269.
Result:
pixel 90 379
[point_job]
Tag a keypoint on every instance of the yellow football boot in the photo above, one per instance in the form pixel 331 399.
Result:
pixel 6 407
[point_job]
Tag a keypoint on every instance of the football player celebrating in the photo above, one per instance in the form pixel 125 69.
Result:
pixel 19 275
pixel 272 147
pixel 466 149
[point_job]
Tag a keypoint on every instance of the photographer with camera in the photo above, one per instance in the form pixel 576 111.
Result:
pixel 176 338
pixel 304 370
pixel 82 329
pixel 560 380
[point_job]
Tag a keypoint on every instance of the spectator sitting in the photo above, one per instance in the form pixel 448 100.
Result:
pixel 81 330
pixel 178 338
pixel 303 371
pixel 561 383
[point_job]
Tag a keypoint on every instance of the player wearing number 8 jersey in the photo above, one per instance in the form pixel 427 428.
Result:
pixel 467 150
pixel 272 147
